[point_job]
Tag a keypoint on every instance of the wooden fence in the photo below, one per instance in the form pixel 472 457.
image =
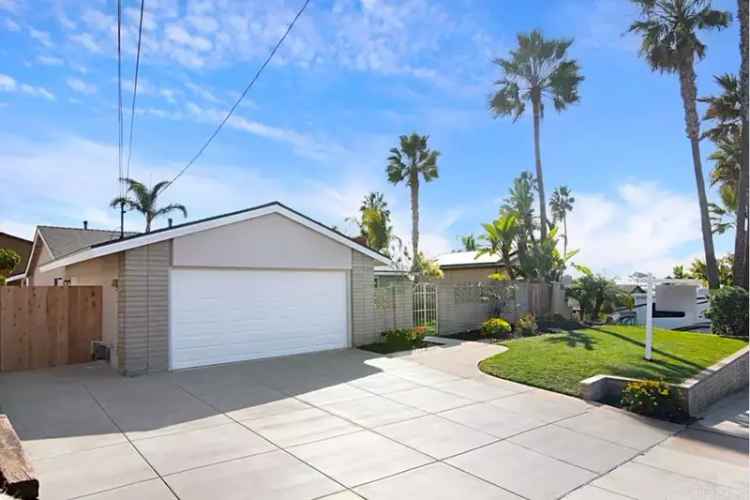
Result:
pixel 43 326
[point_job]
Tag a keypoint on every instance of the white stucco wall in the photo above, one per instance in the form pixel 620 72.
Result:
pixel 42 256
pixel 102 271
pixel 269 242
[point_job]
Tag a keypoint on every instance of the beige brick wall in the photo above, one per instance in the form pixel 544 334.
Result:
pixel 364 329
pixel 394 307
pixel 143 297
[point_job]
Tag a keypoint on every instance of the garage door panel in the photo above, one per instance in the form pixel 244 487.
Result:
pixel 221 316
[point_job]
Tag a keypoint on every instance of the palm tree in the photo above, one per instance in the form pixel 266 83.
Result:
pixel 144 201
pixel 469 243
pixel 740 269
pixel 536 70
pixel 670 44
pixel 407 163
pixel 561 204
pixel 375 223
pixel 500 236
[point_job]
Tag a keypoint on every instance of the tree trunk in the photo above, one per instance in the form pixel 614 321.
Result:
pixel 692 128
pixel 414 184
pixel 536 103
pixel 565 238
pixel 740 268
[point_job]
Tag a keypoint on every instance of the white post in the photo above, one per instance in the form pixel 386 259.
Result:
pixel 649 316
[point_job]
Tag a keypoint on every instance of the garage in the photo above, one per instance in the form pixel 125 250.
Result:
pixel 221 316
pixel 261 282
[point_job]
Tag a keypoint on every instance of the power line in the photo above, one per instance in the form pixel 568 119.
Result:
pixel 119 113
pixel 242 96
pixel 135 91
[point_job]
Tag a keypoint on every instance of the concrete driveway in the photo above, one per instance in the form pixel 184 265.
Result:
pixel 350 424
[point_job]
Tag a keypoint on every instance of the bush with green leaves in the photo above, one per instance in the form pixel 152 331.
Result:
pixel 596 294
pixel 403 339
pixel 526 325
pixel 496 327
pixel 652 398
pixel 9 259
pixel 729 311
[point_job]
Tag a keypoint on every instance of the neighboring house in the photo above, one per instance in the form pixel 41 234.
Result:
pixel 261 282
pixel 466 267
pixel 19 245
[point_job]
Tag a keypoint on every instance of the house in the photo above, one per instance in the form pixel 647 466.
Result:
pixel 468 267
pixel 261 282
pixel 19 245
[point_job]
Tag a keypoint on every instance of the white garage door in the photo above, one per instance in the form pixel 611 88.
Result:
pixel 220 316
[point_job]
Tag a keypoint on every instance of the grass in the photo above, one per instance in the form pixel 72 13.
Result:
pixel 559 362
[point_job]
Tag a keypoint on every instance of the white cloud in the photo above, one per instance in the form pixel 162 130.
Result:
pixel 644 227
pixel 88 42
pixel 42 37
pixel 50 60
pixel 11 25
pixel 178 34
pixel 9 5
pixel 81 86
pixel 17 229
pixel 202 92
pixel 9 84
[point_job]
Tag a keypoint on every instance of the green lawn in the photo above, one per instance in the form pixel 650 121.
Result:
pixel 559 362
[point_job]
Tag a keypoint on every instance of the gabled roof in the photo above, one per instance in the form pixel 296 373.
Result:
pixel 62 241
pixel 141 239
pixel 13 236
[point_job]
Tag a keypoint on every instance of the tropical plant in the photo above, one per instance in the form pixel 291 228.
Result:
pixel 469 242
pixel 144 200
pixel 424 268
pixel 500 236
pixel 678 272
pixel 595 293
pixel 520 203
pixel 375 223
pixel 538 69
pixel 544 262
pixel 671 44
pixel 726 113
pixel 9 259
pixel 412 159
pixel 561 204
pixel 725 265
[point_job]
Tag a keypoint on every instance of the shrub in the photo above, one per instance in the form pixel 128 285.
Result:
pixel 526 325
pixel 652 398
pixel 496 327
pixel 402 339
pixel 729 311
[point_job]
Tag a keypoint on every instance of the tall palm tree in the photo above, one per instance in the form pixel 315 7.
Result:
pixel 741 269
pixel 671 44
pixel 412 159
pixel 561 204
pixel 535 71
pixel 144 201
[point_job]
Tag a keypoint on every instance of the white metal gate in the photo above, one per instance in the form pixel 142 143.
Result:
pixel 426 307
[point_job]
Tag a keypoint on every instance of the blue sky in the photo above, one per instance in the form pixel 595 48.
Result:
pixel 315 130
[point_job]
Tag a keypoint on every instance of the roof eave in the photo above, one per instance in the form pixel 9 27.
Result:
pixel 176 232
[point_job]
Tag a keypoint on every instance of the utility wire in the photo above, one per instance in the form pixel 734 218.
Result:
pixel 119 94
pixel 119 114
pixel 135 91
pixel 242 96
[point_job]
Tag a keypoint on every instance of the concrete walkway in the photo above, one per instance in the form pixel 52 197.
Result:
pixel 728 416
pixel 350 424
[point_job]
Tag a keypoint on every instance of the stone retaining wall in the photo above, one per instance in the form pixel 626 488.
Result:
pixel 694 395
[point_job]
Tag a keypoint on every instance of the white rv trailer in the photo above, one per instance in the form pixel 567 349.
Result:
pixel 678 304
